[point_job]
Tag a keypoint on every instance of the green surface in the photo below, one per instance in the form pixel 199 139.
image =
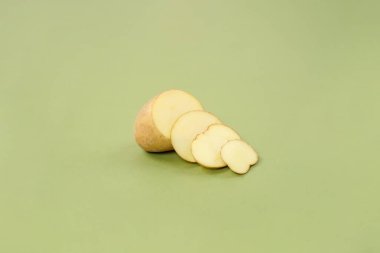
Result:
pixel 299 80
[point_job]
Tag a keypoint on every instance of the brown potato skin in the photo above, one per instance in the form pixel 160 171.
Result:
pixel 147 135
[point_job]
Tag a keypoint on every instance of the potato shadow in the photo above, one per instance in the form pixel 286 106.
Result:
pixel 168 161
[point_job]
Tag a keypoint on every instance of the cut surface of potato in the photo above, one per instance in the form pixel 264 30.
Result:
pixel 186 129
pixel 207 146
pixel 169 106
pixel 155 120
pixel 239 156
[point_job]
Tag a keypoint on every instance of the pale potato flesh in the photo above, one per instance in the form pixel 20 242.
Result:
pixel 206 147
pixel 169 106
pixel 186 129
pixel 239 156
pixel 155 119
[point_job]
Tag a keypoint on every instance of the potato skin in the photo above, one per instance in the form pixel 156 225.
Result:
pixel 146 133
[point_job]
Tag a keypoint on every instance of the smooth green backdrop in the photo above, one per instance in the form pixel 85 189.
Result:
pixel 299 80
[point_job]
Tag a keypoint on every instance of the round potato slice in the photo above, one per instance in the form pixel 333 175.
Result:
pixel 206 146
pixel 186 129
pixel 239 156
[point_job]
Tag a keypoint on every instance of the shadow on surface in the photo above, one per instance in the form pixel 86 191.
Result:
pixel 132 156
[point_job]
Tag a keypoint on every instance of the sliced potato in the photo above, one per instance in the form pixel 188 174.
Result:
pixel 239 156
pixel 186 128
pixel 206 146
pixel 155 120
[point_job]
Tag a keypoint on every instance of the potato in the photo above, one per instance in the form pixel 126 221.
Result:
pixel 176 120
pixel 239 156
pixel 186 128
pixel 156 118
pixel 207 146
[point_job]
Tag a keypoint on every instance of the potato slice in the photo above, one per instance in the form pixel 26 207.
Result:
pixel 186 128
pixel 155 120
pixel 206 147
pixel 239 156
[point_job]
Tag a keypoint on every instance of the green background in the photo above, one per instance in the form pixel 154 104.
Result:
pixel 299 80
